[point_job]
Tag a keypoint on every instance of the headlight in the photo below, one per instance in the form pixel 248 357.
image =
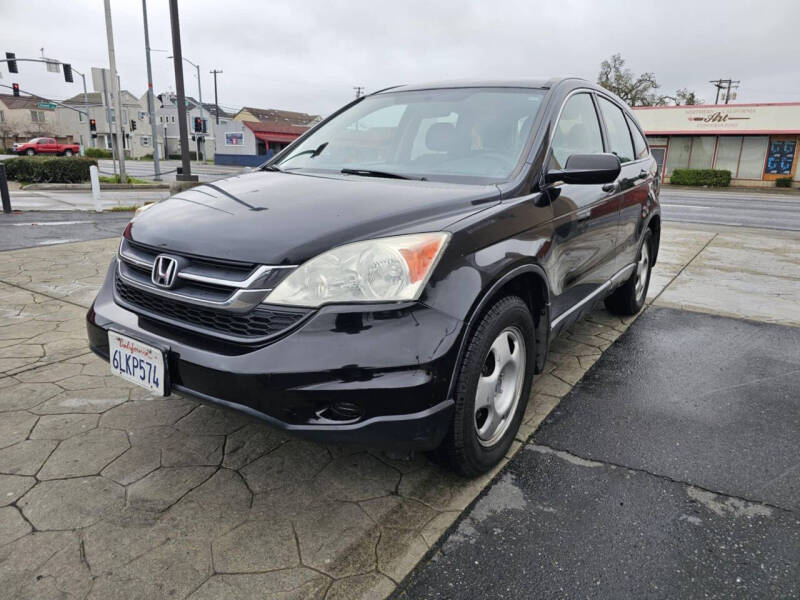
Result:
pixel 381 270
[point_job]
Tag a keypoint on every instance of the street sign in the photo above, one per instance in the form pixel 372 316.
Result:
pixel 47 105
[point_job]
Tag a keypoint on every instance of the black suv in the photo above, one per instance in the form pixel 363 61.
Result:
pixel 394 277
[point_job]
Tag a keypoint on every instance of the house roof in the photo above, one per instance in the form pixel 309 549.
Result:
pixel 209 107
pixel 275 127
pixel 22 102
pixel 286 117
pixel 96 99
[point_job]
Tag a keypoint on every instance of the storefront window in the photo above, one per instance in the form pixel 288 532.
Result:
pixel 754 150
pixel 657 141
pixel 702 152
pixel 728 149
pixel 780 157
pixel 678 154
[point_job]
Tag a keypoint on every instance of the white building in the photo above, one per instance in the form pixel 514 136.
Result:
pixel 168 127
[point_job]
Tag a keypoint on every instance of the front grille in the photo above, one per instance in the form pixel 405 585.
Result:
pixel 259 323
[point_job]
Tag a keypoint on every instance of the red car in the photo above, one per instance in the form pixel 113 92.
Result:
pixel 45 145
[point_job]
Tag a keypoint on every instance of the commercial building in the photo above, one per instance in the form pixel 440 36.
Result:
pixel 26 117
pixel 757 143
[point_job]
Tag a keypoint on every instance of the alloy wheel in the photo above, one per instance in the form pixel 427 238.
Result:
pixel 642 273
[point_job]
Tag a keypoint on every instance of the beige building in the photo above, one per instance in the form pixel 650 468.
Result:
pixel 757 143
pixel 26 117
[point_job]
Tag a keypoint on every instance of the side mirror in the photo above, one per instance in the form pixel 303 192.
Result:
pixel 587 169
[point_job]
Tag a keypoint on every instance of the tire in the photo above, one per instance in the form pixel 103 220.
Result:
pixel 628 299
pixel 68 153
pixel 30 152
pixel 479 437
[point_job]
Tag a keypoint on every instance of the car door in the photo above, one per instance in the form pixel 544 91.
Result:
pixel 585 215
pixel 633 179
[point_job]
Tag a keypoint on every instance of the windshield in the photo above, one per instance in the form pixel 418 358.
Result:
pixel 474 135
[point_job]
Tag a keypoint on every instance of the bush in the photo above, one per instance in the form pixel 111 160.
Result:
pixel 192 156
pixel 783 182
pixel 46 169
pixel 701 177
pixel 98 153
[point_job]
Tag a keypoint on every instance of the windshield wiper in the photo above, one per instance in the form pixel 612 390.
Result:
pixel 313 152
pixel 373 173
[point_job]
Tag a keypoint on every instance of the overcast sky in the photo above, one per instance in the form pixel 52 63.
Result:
pixel 308 55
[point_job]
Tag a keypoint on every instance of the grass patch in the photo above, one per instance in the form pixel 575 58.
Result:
pixel 115 179
pixel 126 208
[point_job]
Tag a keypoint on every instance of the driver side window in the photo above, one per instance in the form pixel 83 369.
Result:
pixel 577 131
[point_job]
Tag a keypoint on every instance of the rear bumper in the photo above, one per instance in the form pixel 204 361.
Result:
pixel 387 366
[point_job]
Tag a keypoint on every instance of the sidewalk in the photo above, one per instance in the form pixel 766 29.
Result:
pixel 82 199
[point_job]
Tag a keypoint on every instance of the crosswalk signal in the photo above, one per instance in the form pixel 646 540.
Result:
pixel 198 124
pixel 67 72
pixel 12 64
pixel 92 125
pixel 15 88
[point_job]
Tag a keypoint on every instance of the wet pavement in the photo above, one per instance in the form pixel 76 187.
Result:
pixel 671 470
pixel 26 229
pixel 107 492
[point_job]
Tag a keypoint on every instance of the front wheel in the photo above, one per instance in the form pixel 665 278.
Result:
pixel 492 389
pixel 30 152
pixel 628 299
pixel 67 152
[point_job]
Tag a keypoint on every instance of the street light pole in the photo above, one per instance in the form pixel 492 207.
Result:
pixel 216 101
pixel 116 97
pixel 186 174
pixel 150 102
pixel 90 141
pixel 200 96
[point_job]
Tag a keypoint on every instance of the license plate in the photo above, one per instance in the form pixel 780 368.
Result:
pixel 137 362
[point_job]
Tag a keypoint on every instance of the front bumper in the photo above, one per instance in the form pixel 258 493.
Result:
pixel 375 375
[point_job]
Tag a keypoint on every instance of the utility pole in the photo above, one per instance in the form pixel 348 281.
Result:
pixel 216 100
pixel 726 85
pixel 150 101
pixel 359 90
pixel 117 98
pixel 177 59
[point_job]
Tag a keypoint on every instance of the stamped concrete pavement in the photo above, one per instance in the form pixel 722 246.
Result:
pixel 107 492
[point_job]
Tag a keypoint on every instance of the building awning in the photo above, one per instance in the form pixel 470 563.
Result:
pixel 266 136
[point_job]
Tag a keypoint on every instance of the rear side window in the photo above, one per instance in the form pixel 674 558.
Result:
pixel 619 138
pixel 577 131
pixel 639 145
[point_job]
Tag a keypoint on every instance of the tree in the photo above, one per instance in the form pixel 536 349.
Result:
pixel 687 97
pixel 635 91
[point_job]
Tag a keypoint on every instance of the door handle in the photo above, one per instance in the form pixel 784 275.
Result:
pixel 610 187
pixel 643 174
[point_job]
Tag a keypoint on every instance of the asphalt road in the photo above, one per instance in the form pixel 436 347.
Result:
pixel 26 229
pixel 670 471
pixel 744 209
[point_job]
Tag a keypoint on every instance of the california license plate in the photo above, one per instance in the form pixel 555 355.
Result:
pixel 137 362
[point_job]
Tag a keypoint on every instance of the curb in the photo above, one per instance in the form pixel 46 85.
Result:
pixel 791 191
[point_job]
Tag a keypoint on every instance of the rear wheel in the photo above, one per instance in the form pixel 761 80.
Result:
pixel 30 152
pixel 629 298
pixel 492 389
pixel 67 152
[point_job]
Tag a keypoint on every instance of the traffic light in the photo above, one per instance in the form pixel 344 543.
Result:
pixel 92 125
pixel 12 64
pixel 198 124
pixel 15 88
pixel 133 125
pixel 67 72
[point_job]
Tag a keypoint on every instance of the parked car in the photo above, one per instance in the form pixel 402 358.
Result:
pixel 396 275
pixel 45 145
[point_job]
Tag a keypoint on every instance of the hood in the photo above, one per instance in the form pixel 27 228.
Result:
pixel 281 219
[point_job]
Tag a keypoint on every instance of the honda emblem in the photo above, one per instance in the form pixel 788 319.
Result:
pixel 164 271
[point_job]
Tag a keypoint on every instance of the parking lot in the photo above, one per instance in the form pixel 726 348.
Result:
pixel 110 493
